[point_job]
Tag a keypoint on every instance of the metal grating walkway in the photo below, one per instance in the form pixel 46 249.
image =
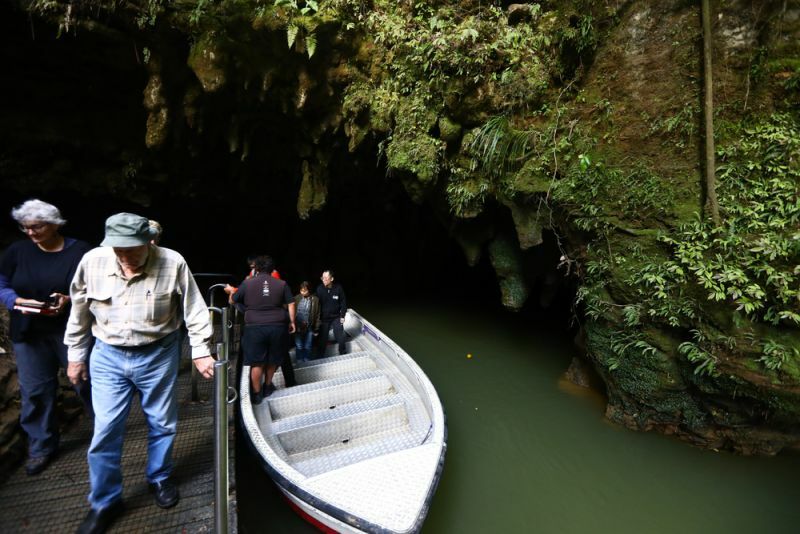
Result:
pixel 55 500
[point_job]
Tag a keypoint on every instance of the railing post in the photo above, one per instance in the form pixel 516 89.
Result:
pixel 221 483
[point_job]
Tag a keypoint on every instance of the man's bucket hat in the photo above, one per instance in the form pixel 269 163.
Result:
pixel 127 230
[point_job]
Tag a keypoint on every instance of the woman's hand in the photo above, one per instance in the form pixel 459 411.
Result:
pixel 61 303
pixel 28 302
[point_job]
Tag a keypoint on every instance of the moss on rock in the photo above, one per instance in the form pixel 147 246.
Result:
pixel 506 259
pixel 207 61
pixel 313 189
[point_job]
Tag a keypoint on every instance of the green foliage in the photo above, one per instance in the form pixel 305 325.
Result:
pixel 775 354
pixel 149 12
pixel 661 295
pixel 467 191
pixel 682 126
pixel 200 10
pixel 753 260
pixel 596 194
pixel 625 345
pixel 435 47
pixel 581 36
pixel 302 22
pixel 498 147
pixel 705 362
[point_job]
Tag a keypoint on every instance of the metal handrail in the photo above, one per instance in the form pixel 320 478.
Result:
pixel 210 298
pixel 221 445
pixel 210 292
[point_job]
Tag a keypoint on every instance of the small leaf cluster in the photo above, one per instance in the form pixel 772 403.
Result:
pixel 704 360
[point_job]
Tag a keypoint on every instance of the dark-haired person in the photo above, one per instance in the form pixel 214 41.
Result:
pixel 307 305
pixel 269 319
pixel 31 272
pixel 333 308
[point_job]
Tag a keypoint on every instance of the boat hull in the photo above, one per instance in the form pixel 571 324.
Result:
pixel 359 444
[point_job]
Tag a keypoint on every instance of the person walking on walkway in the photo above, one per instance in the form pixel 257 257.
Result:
pixel 333 308
pixel 133 297
pixel 34 275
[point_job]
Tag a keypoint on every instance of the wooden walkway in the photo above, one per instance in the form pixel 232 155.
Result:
pixel 55 500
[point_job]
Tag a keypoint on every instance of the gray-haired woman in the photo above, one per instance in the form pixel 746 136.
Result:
pixel 34 285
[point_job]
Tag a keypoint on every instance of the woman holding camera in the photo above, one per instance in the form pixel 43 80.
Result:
pixel 35 275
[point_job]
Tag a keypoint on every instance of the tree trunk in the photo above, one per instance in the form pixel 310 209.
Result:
pixel 712 206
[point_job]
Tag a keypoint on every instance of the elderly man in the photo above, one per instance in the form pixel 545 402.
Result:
pixel 132 296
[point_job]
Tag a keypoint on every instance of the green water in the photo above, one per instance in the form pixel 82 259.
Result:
pixel 527 454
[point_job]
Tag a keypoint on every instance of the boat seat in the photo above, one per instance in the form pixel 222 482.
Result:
pixel 326 394
pixel 353 421
pixel 333 367
pixel 319 461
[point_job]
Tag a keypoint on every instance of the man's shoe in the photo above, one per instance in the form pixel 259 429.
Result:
pixel 34 466
pixel 166 493
pixel 97 521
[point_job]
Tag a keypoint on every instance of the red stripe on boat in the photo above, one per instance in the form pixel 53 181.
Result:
pixel 322 527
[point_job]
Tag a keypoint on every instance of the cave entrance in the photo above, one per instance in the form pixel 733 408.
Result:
pixel 83 151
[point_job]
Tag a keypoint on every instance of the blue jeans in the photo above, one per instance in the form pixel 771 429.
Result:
pixel 38 361
pixel 303 343
pixel 117 374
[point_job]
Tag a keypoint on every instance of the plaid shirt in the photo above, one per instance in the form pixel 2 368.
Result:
pixel 136 311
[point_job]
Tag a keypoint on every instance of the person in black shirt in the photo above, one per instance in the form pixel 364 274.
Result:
pixel 267 325
pixel 35 275
pixel 333 307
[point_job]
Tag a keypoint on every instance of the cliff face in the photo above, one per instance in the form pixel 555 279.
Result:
pixel 566 121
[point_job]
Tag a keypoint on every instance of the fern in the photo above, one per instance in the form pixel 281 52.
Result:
pixel 499 147
pixel 291 34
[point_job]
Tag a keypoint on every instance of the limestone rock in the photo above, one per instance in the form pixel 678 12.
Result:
pixel 206 60
pixel 528 221
pixel 449 130
pixel 507 262
pixel 155 102
pixel 313 189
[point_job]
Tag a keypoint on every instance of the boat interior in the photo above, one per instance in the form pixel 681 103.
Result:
pixel 345 409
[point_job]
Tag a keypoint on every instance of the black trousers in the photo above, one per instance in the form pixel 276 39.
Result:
pixel 338 333
pixel 288 371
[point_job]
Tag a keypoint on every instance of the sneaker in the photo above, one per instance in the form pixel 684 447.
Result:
pixel 34 466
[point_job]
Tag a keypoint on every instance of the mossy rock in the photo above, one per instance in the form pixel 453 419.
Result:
pixel 529 220
pixel 506 259
pixel 420 155
pixel 472 235
pixel 449 130
pixel 532 179
pixel 313 190
pixel 157 130
pixel 513 292
pixel 207 61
